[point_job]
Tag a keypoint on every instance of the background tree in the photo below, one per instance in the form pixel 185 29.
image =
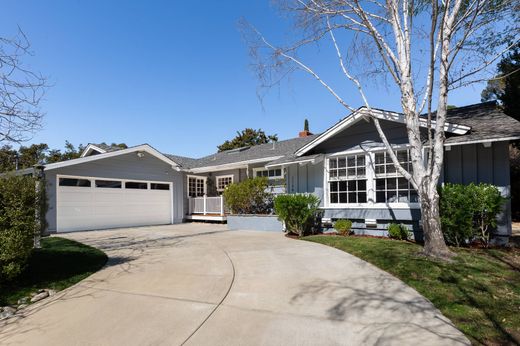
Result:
pixel 505 87
pixel 246 138
pixel 21 91
pixel 423 48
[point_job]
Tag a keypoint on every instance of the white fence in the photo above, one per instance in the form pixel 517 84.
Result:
pixel 206 205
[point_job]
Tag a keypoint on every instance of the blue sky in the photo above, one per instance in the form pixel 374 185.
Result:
pixel 174 74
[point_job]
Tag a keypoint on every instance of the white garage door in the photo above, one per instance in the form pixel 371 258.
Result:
pixel 96 203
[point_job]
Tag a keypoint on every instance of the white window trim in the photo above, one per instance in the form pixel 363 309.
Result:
pixel 197 177
pixel 370 177
pixel 224 176
pixel 269 169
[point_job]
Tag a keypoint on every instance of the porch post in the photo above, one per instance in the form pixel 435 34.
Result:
pixel 221 205
pixel 205 202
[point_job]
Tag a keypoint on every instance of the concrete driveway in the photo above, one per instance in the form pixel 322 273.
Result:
pixel 198 284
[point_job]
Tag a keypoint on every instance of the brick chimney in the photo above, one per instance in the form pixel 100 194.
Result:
pixel 305 131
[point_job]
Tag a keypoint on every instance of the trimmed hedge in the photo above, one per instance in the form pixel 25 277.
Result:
pixel 469 212
pixel 19 207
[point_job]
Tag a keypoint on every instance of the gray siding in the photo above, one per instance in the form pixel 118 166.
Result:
pixel 474 163
pixel 364 133
pixel 463 164
pixel 127 166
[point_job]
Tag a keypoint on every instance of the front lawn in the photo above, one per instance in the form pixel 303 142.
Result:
pixel 60 263
pixel 479 291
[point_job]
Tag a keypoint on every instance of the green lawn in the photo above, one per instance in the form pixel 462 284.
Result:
pixel 59 264
pixel 479 291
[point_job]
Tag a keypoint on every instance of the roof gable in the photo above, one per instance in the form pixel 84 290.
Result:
pixel 364 113
pixel 140 148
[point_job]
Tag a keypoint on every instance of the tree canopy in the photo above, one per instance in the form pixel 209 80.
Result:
pixel 247 138
pixel 505 87
pixel 28 156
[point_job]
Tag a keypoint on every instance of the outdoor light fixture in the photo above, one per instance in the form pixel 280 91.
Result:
pixel 140 154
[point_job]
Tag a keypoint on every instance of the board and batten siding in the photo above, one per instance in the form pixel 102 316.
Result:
pixel 476 163
pixel 127 166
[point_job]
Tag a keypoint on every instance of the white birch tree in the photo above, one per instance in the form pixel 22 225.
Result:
pixel 426 48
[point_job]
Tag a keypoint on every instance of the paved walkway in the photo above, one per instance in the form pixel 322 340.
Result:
pixel 198 284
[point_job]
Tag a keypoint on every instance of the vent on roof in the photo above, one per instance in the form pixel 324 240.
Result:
pixel 237 150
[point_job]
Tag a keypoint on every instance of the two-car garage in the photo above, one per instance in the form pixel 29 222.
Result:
pixel 87 203
pixel 137 186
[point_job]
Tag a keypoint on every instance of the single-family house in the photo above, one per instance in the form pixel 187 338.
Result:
pixel 346 166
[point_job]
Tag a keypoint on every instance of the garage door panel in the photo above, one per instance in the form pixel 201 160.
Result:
pixel 86 208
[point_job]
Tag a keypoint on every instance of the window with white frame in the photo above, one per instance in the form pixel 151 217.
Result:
pixel 347 179
pixel 223 181
pixel 390 185
pixel 269 173
pixel 196 186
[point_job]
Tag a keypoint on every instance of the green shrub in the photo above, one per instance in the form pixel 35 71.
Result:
pixel 456 214
pixel 297 211
pixel 250 196
pixel 469 212
pixel 343 226
pixel 398 231
pixel 18 223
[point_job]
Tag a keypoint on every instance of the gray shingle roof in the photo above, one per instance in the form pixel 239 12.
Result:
pixel 487 122
pixel 257 152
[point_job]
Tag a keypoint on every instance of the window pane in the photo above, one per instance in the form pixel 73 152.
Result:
pixel 402 156
pixel 380 184
pixel 380 169
pixel 157 186
pixel 352 197
pixel 136 185
pixel 333 163
pixel 342 163
pixel 380 197
pixel 403 196
pixel 74 182
pixel 343 186
pixel 361 171
pixel 343 197
pixel 333 174
pixel 362 185
pixel 391 196
pixel 414 198
pixel 362 197
pixel 333 198
pixel 391 184
pixel 351 161
pixel 334 186
pixel 379 158
pixel 110 184
pixel 278 172
pixel 402 184
pixel 351 172
pixel 352 185
pixel 390 168
pixel 342 172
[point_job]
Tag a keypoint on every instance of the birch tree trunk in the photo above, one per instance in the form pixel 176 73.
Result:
pixel 400 50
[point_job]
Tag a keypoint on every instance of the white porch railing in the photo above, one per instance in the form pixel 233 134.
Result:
pixel 206 205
